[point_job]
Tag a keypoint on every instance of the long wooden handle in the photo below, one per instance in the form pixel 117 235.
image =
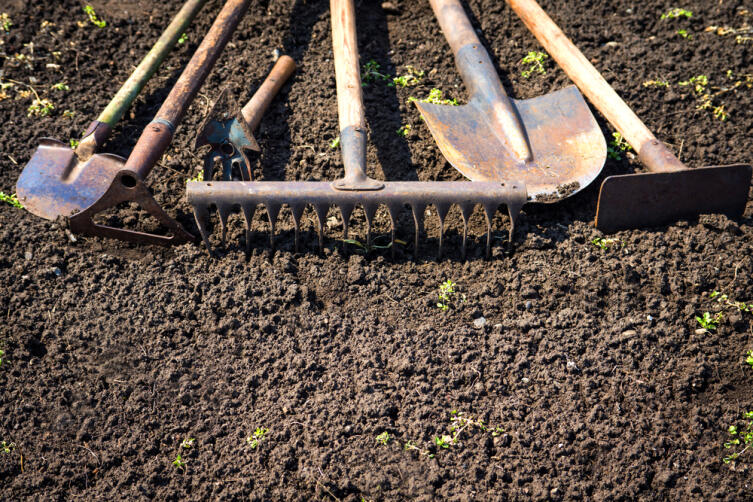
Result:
pixel 258 104
pixel 347 71
pixel 588 79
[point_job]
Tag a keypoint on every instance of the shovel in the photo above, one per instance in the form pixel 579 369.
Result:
pixel 58 182
pixel 551 143
pixel 669 191
pixel 230 132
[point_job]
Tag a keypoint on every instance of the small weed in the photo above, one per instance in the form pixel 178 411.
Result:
pixel 179 463
pixel 199 176
pixel 257 437
pixel 5 22
pixel 6 447
pixel 443 441
pixel 447 294
pixel 748 359
pixel 655 83
pixel 684 34
pixel 335 143
pixel 370 73
pixel 2 353
pixel 435 98
pixel 60 86
pixel 40 108
pixel 698 82
pixel 604 243
pixel 740 437
pixel 383 438
pixel 412 78
pixel 709 322
pixel 459 423
pixel 183 39
pixel 404 131
pixel 93 17
pixel 535 62
pixel 11 199
pixel 74 143
pixel 187 443
pixel 617 146
pixel 677 13
pixel 724 299
pixel 69 114
pixel 411 446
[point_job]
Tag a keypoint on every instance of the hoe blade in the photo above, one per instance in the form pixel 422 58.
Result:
pixel 567 144
pixel 55 183
pixel 653 199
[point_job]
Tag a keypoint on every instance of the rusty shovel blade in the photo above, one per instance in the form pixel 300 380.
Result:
pixel 567 147
pixel 654 199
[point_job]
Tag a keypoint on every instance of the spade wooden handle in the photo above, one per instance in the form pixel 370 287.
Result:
pixel 651 151
pixel 255 108
pixel 347 70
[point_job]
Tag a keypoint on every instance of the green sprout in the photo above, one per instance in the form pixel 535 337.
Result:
pixel 724 299
pixel 69 114
pixel 435 98
pixel 684 34
pixel 93 17
pixel 187 443
pixel 443 441
pixel 335 143
pixel 709 322
pixel 183 38
pixel 383 438
pixel 370 73
pixel 404 131
pixel 739 437
pixel 748 360
pixel 74 143
pixel 257 437
pixel 5 22
pixel 699 83
pixel 40 107
pixel 411 446
pixel 605 243
pixel 6 447
pixel 199 176
pixel 617 146
pixel 677 13
pixel 2 353
pixel 447 294
pixel 61 86
pixel 179 463
pixel 11 199
pixel 412 78
pixel 535 62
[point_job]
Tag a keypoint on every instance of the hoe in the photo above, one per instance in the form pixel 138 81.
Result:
pixel 496 151
pixel 669 191
pixel 78 184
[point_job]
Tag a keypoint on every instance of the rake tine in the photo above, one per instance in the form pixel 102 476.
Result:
pixel 224 213
pixel 273 209
pixel 248 215
pixel 321 215
pixel 393 209
pixel 418 209
pixel 489 210
pixel 345 211
pixel 466 210
pixel 201 215
pixel 370 211
pixel 442 210
pixel 297 211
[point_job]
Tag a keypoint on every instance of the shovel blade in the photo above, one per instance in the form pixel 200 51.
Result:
pixel 567 144
pixel 55 183
pixel 653 199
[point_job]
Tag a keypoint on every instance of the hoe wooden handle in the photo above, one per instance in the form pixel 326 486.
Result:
pixel 651 151
pixel 347 71
pixel 255 108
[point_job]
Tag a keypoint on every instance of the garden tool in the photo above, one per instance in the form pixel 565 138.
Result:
pixel 80 184
pixel 229 132
pixel 355 188
pixel 669 191
pixel 551 143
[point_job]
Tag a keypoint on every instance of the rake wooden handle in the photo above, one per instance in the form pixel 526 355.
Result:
pixel 653 153
pixel 347 71
pixel 255 108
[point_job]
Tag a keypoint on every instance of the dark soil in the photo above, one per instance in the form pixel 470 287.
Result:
pixel 589 359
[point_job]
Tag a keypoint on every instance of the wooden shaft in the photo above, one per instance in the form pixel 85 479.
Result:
pixel 258 104
pixel 347 71
pixel 592 84
pixel 455 25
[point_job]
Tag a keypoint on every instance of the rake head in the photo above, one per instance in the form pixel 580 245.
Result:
pixel 227 197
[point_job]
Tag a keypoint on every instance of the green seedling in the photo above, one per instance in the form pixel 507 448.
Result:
pixel 724 299
pixel 60 86
pixel 435 98
pixel 187 443
pixel 183 38
pixel 199 176
pixel 93 17
pixel 404 131
pixel 69 114
pixel 5 22
pixel 411 446
pixel 74 143
pixel 748 359
pixel 11 199
pixel 383 438
pixel 604 243
pixel 710 322
pixel 443 441
pixel 6 448
pixel 740 438
pixel 677 13
pixel 179 463
pixel 684 34
pixel 655 83
pixel 699 83
pixel 447 294
pixel 412 78
pixel 40 108
pixel 2 353
pixel 370 73
pixel 335 143
pixel 257 437
pixel 535 62
pixel 617 146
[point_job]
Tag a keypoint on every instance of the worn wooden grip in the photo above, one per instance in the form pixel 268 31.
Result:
pixel 582 72
pixel 347 71
pixel 258 104
pixel 454 23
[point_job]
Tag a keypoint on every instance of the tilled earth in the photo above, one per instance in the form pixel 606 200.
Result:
pixel 586 365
